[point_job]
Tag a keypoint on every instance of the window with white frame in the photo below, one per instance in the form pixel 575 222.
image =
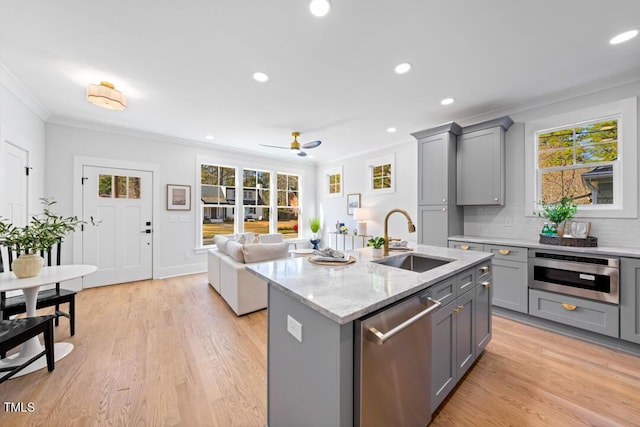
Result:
pixel 217 196
pixel 256 201
pixel 333 182
pixel 381 174
pixel 588 156
pixel 288 187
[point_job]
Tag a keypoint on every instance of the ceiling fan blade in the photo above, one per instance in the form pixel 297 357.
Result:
pixel 312 144
pixel 274 146
pixel 301 153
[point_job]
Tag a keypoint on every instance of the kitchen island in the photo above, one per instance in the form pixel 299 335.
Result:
pixel 312 314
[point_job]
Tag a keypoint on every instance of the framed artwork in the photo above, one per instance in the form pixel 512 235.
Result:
pixel 353 201
pixel 178 197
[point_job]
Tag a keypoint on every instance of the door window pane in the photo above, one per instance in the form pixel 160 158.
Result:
pixel 105 186
pixel 134 187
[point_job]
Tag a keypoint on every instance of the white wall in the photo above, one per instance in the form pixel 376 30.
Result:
pixel 21 126
pixel 177 165
pixel 355 173
pixel 490 220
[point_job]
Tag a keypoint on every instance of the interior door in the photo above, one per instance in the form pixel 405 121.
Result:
pixel 16 161
pixel 121 246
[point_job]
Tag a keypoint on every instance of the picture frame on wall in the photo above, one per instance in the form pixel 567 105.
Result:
pixel 178 197
pixel 353 201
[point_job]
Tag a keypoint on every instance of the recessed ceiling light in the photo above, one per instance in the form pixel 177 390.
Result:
pixel 391 130
pixel 210 137
pixel 260 77
pixel 447 101
pixel 319 8
pixel 403 68
pixel 626 36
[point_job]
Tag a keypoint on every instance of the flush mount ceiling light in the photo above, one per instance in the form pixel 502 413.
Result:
pixel 391 130
pixel 260 77
pixel 447 101
pixel 104 95
pixel 626 36
pixel 403 68
pixel 319 8
pixel 210 137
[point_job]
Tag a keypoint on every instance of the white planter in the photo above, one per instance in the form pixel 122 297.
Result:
pixel 27 265
pixel 377 253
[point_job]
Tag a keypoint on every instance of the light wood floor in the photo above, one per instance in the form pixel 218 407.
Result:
pixel 170 352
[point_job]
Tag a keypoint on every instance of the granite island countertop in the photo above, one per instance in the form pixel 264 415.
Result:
pixel 344 293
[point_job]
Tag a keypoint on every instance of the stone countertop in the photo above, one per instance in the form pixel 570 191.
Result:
pixel 628 252
pixel 344 293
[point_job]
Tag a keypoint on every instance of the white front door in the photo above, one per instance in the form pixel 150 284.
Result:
pixel 120 201
pixel 16 161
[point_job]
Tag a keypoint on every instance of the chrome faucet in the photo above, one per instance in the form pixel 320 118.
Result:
pixel 412 228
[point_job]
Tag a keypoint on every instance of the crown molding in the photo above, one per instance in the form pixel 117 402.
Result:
pixel 13 85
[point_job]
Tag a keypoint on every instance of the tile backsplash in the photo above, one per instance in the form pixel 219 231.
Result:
pixel 509 222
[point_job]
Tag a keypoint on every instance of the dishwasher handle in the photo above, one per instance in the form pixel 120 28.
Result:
pixel 380 338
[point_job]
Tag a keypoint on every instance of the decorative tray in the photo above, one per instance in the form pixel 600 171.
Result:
pixel 334 263
pixel 587 242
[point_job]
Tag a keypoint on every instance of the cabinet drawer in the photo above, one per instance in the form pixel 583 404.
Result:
pixel 444 292
pixel 512 253
pixel 590 315
pixel 483 271
pixel 465 281
pixel 466 246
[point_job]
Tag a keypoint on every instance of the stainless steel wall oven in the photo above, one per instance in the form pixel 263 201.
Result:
pixel 581 275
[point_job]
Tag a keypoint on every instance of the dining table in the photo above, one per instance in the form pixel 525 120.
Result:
pixel 30 287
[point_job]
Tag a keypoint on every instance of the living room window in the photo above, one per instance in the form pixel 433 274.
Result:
pixel 381 174
pixel 288 205
pixel 256 200
pixel 587 155
pixel 218 199
pixel 333 182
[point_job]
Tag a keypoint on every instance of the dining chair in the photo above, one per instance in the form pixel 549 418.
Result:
pixel 52 297
pixel 17 331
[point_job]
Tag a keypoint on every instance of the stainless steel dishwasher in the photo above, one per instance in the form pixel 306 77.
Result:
pixel 393 364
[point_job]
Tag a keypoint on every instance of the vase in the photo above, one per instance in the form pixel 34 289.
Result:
pixel 315 243
pixel 27 265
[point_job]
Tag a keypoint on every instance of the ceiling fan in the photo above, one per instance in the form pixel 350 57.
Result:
pixel 295 146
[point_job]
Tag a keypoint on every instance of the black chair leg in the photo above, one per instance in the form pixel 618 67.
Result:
pixel 57 315
pixel 72 316
pixel 49 347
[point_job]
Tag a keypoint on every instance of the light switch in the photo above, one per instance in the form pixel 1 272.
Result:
pixel 185 218
pixel 294 328
pixel 173 218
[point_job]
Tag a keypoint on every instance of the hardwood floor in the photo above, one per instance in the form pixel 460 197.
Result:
pixel 170 352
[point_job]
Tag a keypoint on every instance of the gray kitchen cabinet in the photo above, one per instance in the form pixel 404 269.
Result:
pixel 453 344
pixel 439 216
pixel 482 321
pixel 630 299
pixel 591 315
pixel 510 289
pixel 480 158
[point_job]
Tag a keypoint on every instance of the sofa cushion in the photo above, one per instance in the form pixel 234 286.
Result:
pixel 247 237
pixel 221 243
pixel 257 252
pixel 234 250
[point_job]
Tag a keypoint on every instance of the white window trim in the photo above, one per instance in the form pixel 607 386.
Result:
pixel 382 160
pixel 327 173
pixel 626 202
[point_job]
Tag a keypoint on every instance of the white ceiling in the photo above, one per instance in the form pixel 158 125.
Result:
pixel 186 66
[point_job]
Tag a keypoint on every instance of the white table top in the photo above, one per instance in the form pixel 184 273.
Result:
pixel 53 274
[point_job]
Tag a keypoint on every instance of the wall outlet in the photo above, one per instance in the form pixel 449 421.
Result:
pixel 187 255
pixel 507 221
pixel 185 218
pixel 173 218
pixel 294 328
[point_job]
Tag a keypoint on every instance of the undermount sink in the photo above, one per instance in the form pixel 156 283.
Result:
pixel 413 262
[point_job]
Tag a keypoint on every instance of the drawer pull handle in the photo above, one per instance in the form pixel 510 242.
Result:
pixel 464 247
pixel 504 251
pixel 484 269
pixel 486 285
pixel 496 199
pixel 569 307
pixel 461 307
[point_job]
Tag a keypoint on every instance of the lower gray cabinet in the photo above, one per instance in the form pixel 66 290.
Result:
pixel 510 284
pixel 453 340
pixel 483 314
pixel 630 299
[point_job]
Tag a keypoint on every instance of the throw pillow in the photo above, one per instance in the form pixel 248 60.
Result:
pixel 234 250
pixel 221 243
pixel 257 252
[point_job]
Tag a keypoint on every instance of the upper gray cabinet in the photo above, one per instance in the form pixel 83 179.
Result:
pixel 481 163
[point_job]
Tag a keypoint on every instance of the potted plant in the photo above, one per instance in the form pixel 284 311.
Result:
pixel 42 232
pixel 377 243
pixel 559 212
pixel 314 225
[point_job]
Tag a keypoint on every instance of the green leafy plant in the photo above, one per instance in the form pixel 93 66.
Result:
pixel 558 212
pixel 42 232
pixel 376 242
pixel 314 225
